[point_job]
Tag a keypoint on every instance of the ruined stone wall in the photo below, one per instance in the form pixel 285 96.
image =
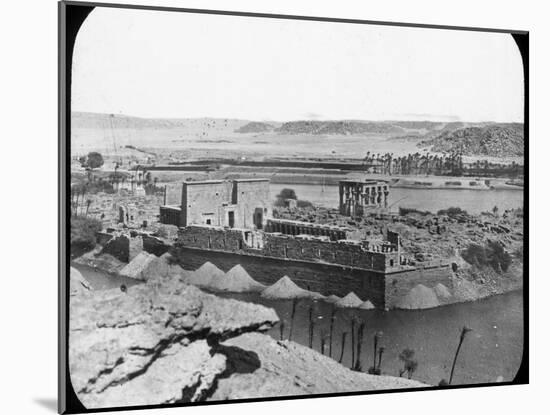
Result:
pixel 325 278
pixel 288 247
pixel 212 238
pixel 153 245
pixel 119 247
pixel 170 215
pixel 399 284
pixel 103 238
pixel 306 262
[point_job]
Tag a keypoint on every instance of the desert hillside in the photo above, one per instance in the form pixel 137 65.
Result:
pixel 338 128
pixel 255 127
pixel 496 140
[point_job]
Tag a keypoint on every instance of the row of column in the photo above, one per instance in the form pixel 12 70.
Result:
pixel 297 229
pixel 356 196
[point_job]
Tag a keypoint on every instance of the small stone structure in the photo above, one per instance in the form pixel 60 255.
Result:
pixel 357 197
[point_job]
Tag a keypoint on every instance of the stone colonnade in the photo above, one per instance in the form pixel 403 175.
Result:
pixel 356 196
pixel 297 228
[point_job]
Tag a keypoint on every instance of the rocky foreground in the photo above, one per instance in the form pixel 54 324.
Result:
pixel 168 342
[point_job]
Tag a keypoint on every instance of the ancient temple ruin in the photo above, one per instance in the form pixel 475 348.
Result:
pixel 358 197
pixel 238 203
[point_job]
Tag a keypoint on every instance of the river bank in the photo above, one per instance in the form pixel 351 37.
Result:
pixel 164 342
pixel 493 351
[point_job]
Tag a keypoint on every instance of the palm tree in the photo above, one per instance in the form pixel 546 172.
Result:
pixel 88 203
pixel 463 333
pixel 373 369
pixel 357 366
pixel 292 314
pixel 311 327
pixel 352 340
pixel 332 318
pixel 344 335
pixel 409 363
pixel 381 350
pixel 323 341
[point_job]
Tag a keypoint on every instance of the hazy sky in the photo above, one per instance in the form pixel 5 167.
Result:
pixel 179 65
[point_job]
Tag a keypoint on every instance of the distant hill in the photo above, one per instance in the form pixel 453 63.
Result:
pixel 338 127
pixel 418 125
pixel 255 127
pixel 97 120
pixel 496 140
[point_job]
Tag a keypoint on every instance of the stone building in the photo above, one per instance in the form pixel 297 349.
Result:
pixel 238 203
pixel 357 197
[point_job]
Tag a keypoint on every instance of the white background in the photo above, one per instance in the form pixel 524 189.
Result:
pixel 28 158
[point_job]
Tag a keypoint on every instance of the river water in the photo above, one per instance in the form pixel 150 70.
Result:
pixel 473 201
pixel 492 350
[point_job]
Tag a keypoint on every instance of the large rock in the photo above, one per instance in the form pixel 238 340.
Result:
pixel 259 367
pixel 124 347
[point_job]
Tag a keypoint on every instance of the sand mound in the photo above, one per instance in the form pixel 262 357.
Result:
pixel 285 289
pixel 137 267
pixel 161 268
pixel 441 291
pixel 203 276
pixel 149 267
pixel 367 305
pixel 418 297
pixel 78 284
pixel 236 280
pixel 332 298
pixel 172 270
pixel 349 301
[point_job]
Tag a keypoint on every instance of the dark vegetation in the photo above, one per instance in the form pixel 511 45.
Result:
pixel 492 254
pixel 409 362
pixel 358 330
pixel 403 211
pixel 450 163
pixel 375 368
pixel 93 160
pixel 83 233
pixel 452 211
pixel 465 330
pixel 285 194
